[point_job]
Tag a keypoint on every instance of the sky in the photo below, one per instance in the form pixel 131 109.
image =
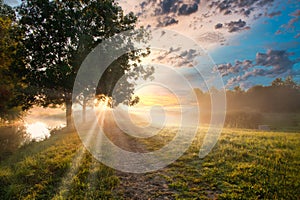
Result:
pixel 251 42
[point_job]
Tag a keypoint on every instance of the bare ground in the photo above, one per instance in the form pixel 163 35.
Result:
pixel 136 186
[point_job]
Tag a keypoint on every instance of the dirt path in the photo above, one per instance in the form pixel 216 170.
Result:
pixel 143 186
pixel 136 186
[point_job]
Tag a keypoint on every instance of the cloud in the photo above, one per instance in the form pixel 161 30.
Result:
pixel 246 85
pixel 278 32
pixel 274 14
pixel 167 21
pixel 270 64
pixel 174 7
pixel 219 25
pixel 181 7
pixel 264 2
pixel 245 7
pixel 295 19
pixel 222 6
pixel 246 64
pixel 171 50
pixel 228 68
pixel 293 22
pixel 278 60
pixel 296 13
pixel 189 55
pixel 211 37
pixel 186 9
pixel 246 12
pixel 177 58
pixel 235 26
pixel 168 6
pixel 224 69
pixel 233 81
pixel 227 12
pixel 205 16
pixel 242 78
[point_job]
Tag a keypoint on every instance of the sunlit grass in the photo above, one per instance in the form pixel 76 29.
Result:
pixel 37 171
pixel 244 164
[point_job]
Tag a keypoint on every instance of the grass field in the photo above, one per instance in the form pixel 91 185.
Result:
pixel 245 164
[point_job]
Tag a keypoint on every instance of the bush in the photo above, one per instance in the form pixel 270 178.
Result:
pixel 11 138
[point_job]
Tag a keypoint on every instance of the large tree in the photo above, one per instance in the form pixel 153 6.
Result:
pixel 9 83
pixel 59 34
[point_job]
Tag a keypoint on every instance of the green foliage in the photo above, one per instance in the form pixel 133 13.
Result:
pixel 9 82
pixel 58 168
pixel 244 164
pixel 58 37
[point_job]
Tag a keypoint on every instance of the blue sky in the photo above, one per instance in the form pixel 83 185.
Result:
pixel 264 33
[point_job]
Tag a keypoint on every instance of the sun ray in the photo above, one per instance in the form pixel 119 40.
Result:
pixel 66 182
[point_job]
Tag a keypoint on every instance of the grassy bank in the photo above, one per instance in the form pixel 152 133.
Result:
pixel 245 164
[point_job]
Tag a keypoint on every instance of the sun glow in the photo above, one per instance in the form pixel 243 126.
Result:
pixel 102 104
pixel 38 131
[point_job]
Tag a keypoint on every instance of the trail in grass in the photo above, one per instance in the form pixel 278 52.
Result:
pixel 135 186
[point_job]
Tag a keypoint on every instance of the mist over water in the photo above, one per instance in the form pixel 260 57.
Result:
pixel 51 117
pixel 37 131
pixel 36 126
pixel 166 116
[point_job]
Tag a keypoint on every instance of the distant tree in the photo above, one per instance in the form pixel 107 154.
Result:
pixel 58 37
pixel 278 82
pixel 245 108
pixel 289 82
pixel 237 89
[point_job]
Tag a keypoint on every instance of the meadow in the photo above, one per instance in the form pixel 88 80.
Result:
pixel 244 164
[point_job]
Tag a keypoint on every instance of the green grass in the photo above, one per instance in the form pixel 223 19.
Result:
pixel 244 164
pixel 58 168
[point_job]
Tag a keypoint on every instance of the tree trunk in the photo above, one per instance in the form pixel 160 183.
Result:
pixel 84 110
pixel 69 119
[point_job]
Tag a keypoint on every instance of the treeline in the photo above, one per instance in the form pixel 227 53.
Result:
pixel 246 109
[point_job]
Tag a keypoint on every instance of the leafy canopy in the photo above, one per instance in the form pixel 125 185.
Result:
pixel 58 37
pixel 9 82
